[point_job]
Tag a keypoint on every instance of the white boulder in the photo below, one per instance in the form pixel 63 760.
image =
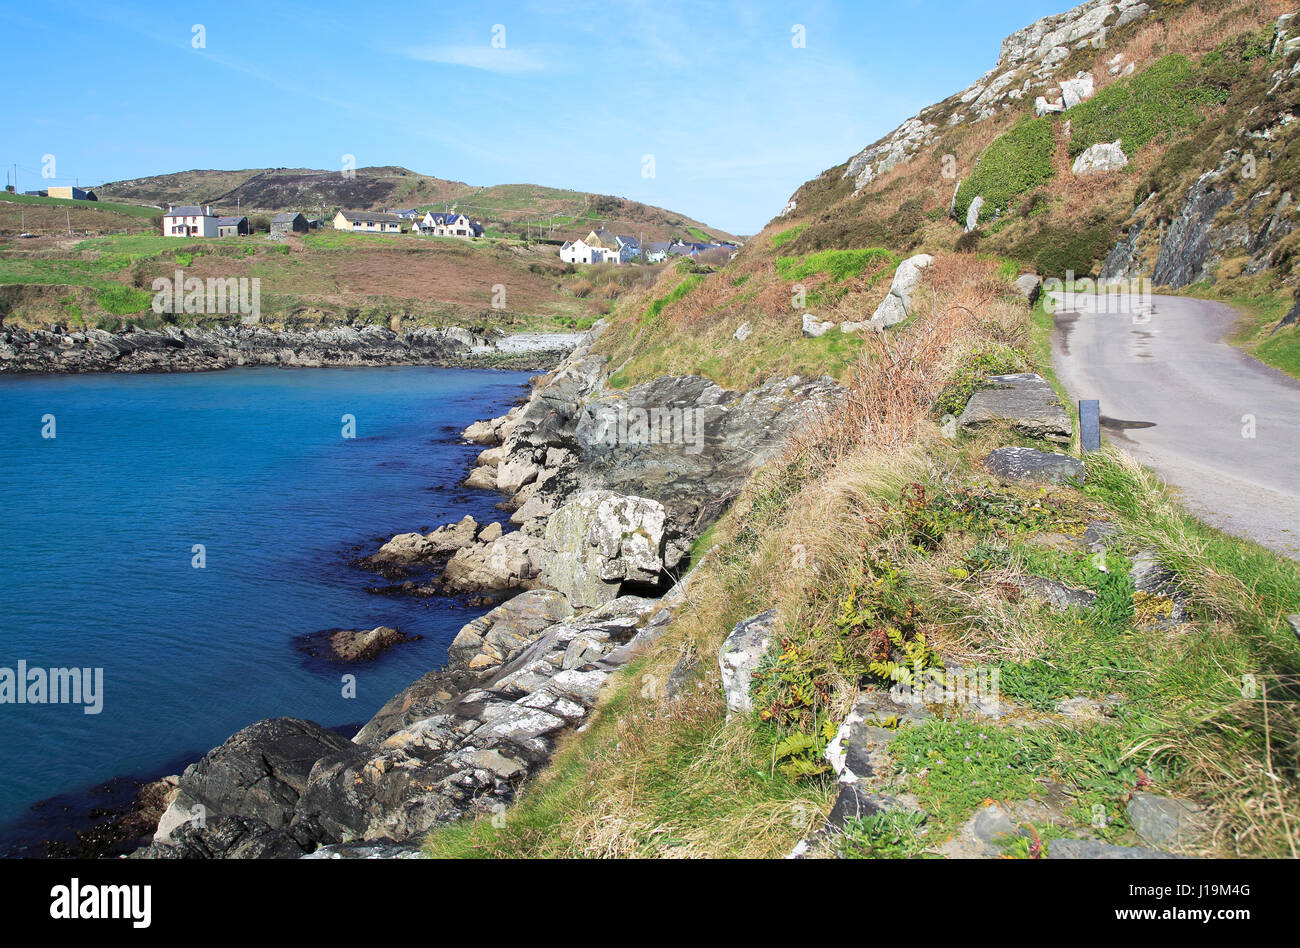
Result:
pixel 1101 158
pixel 813 327
pixel 897 306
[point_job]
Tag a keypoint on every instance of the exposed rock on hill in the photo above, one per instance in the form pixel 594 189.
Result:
pixel 1030 59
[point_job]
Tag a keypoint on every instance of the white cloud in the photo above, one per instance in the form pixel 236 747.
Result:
pixel 491 59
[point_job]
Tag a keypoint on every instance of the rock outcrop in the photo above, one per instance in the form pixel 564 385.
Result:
pixel 352 645
pixel 460 739
pixel 1037 467
pixel 1025 401
pixel 1100 159
pixel 740 655
pixel 1030 61
pixel 601 541
pixel 897 306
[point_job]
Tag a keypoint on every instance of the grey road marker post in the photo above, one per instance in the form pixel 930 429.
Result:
pixel 1090 425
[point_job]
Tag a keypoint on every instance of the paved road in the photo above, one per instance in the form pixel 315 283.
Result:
pixel 1162 361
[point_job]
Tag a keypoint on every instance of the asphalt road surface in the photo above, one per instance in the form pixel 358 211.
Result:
pixel 1215 423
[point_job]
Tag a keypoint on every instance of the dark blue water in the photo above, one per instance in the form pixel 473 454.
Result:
pixel 97 527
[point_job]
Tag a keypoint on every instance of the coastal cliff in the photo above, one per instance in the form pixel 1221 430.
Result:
pixel 607 503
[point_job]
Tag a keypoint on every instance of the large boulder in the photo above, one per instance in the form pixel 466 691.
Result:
pixel 601 540
pixel 404 549
pixel 512 561
pixel 1101 158
pixel 897 306
pixel 741 654
pixel 498 636
pixel 453 536
pixel 257 774
pixel 1027 401
pixel 1078 90
pixel 352 645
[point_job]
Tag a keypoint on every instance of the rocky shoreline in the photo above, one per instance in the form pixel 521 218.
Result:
pixel 607 490
pixel 203 349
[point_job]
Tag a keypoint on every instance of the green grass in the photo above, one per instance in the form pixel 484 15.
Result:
pixel 1254 332
pixel 784 237
pixel 1016 163
pixel 134 210
pixel 124 300
pixel 139 246
pixel 840 265
pixel 1163 101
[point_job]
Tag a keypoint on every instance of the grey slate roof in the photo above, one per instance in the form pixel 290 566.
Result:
pixel 286 217
pixel 186 210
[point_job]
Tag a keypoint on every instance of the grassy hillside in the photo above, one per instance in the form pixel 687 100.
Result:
pixel 54 216
pixel 319 278
pixel 1194 71
pixel 505 208
pixel 875 531
pixel 878 534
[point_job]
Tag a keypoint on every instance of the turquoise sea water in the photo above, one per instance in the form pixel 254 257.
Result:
pixel 98 526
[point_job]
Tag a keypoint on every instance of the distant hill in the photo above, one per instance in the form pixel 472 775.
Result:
pixel 506 207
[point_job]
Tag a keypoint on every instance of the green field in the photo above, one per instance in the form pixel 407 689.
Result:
pixel 135 210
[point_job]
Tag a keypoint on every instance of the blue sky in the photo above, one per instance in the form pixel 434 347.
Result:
pixel 734 114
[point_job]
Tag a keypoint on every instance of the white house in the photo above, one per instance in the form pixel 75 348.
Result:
pixel 187 220
pixel 579 251
pixel 601 246
pixel 449 224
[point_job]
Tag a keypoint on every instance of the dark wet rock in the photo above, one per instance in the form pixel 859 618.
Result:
pixel 1039 467
pixel 1094 849
pixel 226 837
pixel 258 773
pixel 1026 401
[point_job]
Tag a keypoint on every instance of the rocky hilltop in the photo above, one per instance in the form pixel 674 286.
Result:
pixel 1122 139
